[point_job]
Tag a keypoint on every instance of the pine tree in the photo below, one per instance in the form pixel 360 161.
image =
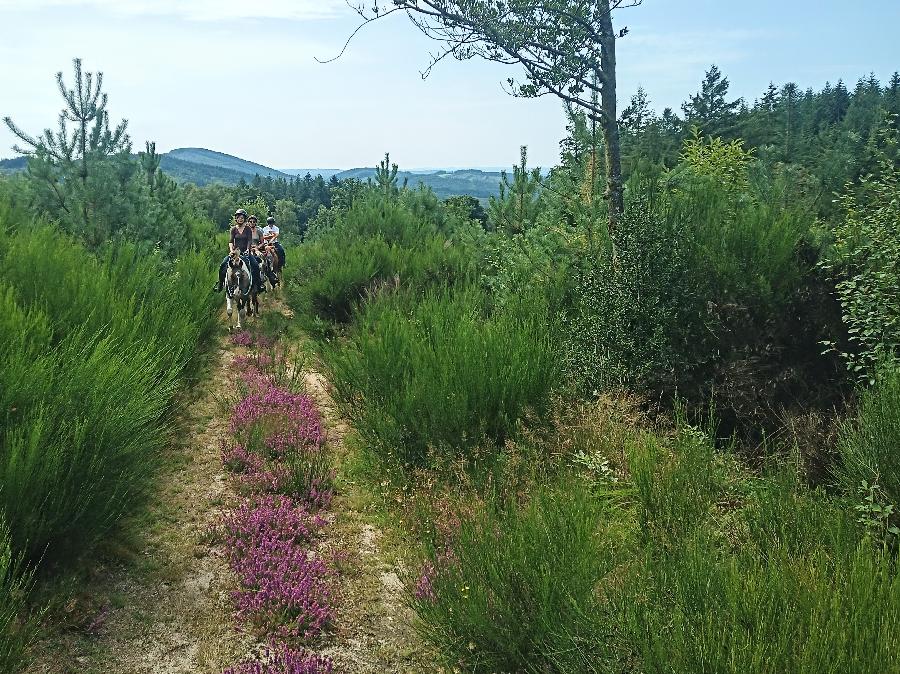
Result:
pixel 386 177
pixel 638 114
pixel 518 204
pixel 71 166
pixel 708 109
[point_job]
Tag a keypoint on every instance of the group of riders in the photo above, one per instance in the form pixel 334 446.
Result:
pixel 256 246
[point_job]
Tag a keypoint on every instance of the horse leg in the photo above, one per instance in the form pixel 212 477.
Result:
pixel 228 310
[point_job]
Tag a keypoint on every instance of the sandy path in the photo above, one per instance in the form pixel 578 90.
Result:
pixel 160 604
pixel 163 607
pixel 374 626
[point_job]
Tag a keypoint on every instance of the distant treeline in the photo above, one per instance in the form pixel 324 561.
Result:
pixel 829 136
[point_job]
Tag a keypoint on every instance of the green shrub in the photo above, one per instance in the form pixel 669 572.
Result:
pixel 700 610
pixel 97 349
pixel 638 319
pixel 16 626
pixel 705 296
pixel 515 590
pixel 869 445
pixel 444 373
pixel 376 242
pixel 865 264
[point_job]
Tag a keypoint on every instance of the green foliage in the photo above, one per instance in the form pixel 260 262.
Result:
pixel 444 373
pixel 85 179
pixel 375 243
pixel 708 110
pixel 705 278
pixel 386 177
pixel 466 207
pixel 17 629
pixel 638 319
pixel 677 486
pixel 865 263
pixel 870 443
pixel 97 352
pixel 518 205
pixel 517 592
pixel 825 611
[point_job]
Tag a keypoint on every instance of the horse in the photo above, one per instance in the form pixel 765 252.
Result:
pixel 270 266
pixel 238 287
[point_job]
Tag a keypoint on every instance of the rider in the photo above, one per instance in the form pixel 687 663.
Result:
pixel 270 235
pixel 256 240
pixel 241 236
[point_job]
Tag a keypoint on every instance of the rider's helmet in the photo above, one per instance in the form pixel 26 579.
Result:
pixel 270 220
pixel 240 211
pixel 252 218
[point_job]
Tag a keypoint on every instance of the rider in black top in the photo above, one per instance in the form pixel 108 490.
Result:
pixel 241 238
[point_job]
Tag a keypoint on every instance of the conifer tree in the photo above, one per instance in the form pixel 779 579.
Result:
pixel 71 165
pixel 518 204
pixel 386 177
pixel 708 109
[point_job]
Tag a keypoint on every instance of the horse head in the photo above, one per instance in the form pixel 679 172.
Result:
pixel 237 276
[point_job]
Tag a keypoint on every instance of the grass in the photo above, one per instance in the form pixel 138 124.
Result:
pixel 869 445
pixel 444 373
pixel 99 349
pixel 17 627
pixel 515 588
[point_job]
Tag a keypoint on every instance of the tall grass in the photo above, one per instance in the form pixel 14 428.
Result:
pixel 16 627
pixel 444 373
pixel 700 610
pixel 517 591
pixel 870 444
pixel 96 350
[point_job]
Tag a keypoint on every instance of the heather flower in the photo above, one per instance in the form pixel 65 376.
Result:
pixel 239 460
pixel 424 586
pixel 282 585
pixel 242 338
pixel 281 659
pixel 293 415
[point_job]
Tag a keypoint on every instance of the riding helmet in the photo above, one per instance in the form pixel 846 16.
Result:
pixel 270 220
pixel 240 211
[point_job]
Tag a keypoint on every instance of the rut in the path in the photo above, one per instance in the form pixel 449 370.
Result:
pixel 374 626
pixel 165 608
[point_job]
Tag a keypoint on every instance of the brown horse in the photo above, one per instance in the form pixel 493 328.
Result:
pixel 272 266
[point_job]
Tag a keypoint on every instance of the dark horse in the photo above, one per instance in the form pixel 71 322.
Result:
pixel 239 288
pixel 270 266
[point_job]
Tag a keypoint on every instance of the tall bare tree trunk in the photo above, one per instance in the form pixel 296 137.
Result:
pixel 609 122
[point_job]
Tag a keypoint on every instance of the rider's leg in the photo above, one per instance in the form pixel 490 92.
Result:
pixel 254 271
pixel 222 268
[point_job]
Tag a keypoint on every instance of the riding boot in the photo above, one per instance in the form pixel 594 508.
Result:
pixel 221 284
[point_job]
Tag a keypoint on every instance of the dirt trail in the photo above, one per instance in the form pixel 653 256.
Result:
pixel 374 626
pixel 162 607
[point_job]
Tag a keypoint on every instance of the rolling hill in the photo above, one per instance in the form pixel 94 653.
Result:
pixel 220 160
pixel 203 167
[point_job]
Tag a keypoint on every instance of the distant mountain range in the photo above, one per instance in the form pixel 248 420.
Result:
pixel 202 167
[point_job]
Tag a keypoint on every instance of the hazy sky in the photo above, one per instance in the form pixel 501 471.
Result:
pixel 240 76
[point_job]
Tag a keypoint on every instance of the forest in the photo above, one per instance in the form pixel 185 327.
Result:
pixel 640 413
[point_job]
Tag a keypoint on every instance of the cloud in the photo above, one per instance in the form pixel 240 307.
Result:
pixel 198 10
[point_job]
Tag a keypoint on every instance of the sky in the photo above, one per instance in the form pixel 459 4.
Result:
pixel 241 76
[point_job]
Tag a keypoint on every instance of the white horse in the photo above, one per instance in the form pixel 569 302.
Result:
pixel 237 288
